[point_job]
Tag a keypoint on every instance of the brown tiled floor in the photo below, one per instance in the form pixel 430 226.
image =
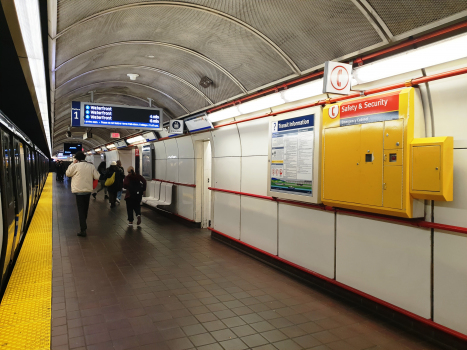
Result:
pixel 166 285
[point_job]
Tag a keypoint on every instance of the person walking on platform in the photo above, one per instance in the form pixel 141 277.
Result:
pixel 82 175
pixel 135 185
pixel 101 169
pixel 119 193
pixel 114 182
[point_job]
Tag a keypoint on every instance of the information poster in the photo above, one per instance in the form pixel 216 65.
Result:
pixel 292 142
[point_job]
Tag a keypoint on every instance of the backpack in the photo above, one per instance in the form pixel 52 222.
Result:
pixel 136 189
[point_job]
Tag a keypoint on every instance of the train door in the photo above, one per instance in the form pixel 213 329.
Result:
pixel 8 203
pixel 20 197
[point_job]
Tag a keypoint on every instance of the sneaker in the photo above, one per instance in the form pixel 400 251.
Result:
pixel 118 201
pixel 130 224
pixel 138 222
pixel 82 234
pixel 106 197
pixel 94 195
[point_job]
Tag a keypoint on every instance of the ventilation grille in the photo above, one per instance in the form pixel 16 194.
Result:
pixel 309 32
pixel 183 93
pixel 187 66
pixel 402 16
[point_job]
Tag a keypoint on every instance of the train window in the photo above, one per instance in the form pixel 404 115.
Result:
pixel 19 184
pixel 7 167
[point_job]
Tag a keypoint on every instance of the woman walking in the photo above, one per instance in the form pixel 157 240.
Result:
pixel 117 184
pixel 135 185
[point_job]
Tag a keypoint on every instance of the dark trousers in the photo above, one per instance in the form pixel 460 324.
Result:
pixel 112 197
pixel 133 205
pixel 82 202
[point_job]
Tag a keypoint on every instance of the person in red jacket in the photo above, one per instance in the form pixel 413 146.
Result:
pixel 135 185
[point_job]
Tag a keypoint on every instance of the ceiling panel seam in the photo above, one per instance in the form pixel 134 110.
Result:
pixel 370 14
pixel 127 82
pixel 292 65
pixel 171 75
pixel 178 47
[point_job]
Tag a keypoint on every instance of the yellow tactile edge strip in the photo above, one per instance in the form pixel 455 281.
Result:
pixel 26 307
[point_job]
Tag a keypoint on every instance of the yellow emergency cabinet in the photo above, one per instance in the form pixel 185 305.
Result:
pixel 369 162
pixel 432 168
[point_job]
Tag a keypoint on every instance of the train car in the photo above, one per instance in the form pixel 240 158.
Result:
pixel 23 171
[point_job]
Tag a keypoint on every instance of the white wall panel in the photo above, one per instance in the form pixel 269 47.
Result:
pixel 306 238
pixel 111 156
pixel 226 173
pixel 449 103
pixel 450 282
pixel 455 213
pixel 161 169
pixel 388 81
pixel 160 150
pixel 227 213
pixel 186 171
pixel 185 201
pixel 171 148
pixel 185 147
pixel 127 159
pixel 254 137
pixel 259 223
pixel 389 261
pixel 172 170
pixel 255 175
pixel 226 142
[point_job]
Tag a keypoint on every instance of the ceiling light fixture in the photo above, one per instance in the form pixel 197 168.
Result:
pixel 29 23
pixel 111 146
pixel 426 56
pixel 133 76
pixel 136 139
pixel 150 56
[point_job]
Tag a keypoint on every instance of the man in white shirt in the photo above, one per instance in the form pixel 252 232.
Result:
pixel 82 175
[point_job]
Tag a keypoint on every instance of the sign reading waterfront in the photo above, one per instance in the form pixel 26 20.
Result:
pixel 112 116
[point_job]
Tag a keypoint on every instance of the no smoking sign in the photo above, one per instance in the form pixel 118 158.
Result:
pixel 337 78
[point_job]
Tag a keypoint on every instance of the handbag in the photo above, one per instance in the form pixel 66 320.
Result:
pixel 110 181
pixel 94 184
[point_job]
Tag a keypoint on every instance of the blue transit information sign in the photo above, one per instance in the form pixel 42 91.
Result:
pixel 96 115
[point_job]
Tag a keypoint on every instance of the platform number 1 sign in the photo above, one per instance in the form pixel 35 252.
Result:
pixel 75 113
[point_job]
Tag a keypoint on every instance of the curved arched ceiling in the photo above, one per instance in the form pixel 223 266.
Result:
pixel 242 45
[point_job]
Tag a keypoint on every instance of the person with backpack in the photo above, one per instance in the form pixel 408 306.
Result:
pixel 135 185
pixel 101 169
pixel 113 182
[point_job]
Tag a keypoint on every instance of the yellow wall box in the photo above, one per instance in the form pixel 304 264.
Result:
pixel 369 162
pixel 432 168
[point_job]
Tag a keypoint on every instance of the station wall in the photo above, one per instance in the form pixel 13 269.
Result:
pixel 392 262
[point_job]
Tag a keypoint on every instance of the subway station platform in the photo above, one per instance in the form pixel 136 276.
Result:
pixel 168 285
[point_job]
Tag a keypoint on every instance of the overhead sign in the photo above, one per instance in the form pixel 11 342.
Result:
pixel 120 144
pixel 150 136
pixel 76 113
pixel 292 142
pixel 198 123
pixel 95 115
pixel 115 135
pixel 176 127
pixel 366 110
pixel 337 78
pixel 71 148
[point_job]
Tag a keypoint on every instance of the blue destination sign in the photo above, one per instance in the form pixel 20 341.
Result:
pixel 119 117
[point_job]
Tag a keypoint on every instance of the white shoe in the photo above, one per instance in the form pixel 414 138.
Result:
pixel 118 201
pixel 130 224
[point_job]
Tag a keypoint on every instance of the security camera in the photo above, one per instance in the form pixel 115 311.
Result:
pixel 68 134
